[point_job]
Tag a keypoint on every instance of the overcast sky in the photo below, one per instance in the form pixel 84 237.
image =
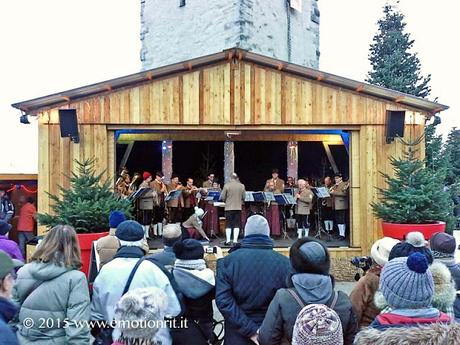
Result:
pixel 53 45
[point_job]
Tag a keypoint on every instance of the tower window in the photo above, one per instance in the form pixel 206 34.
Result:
pixel 181 3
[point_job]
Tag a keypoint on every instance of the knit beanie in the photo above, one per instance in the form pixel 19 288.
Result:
pixel 129 231
pixel 317 324
pixel 141 312
pixel 172 233
pixel 199 212
pixel 443 245
pixel 188 249
pixel 115 218
pixel 308 255
pixel 406 283
pixel 415 238
pixel 256 225
pixel 5 227
pixel 380 250
pixel 146 175
pixel 404 249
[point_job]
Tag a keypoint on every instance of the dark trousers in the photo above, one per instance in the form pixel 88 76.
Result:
pixel 174 214
pixel 187 212
pixel 302 221
pixel 232 219
pixel 339 216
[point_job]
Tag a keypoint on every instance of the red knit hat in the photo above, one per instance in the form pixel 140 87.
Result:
pixel 146 175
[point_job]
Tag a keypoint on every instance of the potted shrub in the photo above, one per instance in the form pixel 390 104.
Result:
pixel 414 199
pixel 86 206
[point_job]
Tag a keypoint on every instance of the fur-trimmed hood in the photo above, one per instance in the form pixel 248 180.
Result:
pixel 444 289
pixel 434 334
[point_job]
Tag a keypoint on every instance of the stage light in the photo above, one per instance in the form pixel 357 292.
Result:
pixel 24 120
pixel 232 134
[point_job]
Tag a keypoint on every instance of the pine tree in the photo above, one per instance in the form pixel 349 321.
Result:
pixel 394 66
pixel 86 205
pixel 415 194
pixel 434 155
pixel 452 152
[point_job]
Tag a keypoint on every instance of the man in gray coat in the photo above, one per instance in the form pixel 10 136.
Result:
pixel 233 195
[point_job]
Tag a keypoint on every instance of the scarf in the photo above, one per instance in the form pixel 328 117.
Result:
pixel 198 264
pixel 129 252
pixel 439 255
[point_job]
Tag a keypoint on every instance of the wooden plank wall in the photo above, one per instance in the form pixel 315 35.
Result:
pixel 231 94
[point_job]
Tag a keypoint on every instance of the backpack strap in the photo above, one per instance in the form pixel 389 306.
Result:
pixel 34 286
pixel 296 296
pixel 131 275
pixel 333 301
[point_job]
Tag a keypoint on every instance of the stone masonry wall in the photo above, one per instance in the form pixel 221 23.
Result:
pixel 172 33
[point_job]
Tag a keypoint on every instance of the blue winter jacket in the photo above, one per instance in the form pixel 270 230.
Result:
pixel 247 281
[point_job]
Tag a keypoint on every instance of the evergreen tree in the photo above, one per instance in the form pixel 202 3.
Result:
pixel 452 152
pixel 434 155
pixel 87 204
pixel 415 194
pixel 394 66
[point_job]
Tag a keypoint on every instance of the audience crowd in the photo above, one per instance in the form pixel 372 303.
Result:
pixel 408 296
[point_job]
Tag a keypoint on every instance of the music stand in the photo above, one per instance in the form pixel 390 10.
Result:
pixel 213 196
pixel 282 201
pixel 140 192
pixel 173 195
pixel 320 193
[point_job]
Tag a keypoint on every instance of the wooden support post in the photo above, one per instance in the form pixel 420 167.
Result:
pixel 166 159
pixel 292 159
pixel 126 155
pixel 330 158
pixel 229 160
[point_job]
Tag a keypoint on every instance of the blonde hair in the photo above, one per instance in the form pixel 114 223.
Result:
pixel 60 246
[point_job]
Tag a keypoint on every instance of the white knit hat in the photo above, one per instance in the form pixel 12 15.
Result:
pixel 381 249
pixel 141 312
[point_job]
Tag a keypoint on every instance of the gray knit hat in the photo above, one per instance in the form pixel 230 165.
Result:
pixel 140 313
pixel 256 225
pixel 406 282
pixel 317 324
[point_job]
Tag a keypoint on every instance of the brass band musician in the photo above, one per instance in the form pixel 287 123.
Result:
pixel 304 201
pixel 175 205
pixel 159 207
pixel 189 195
pixel 327 213
pixel 339 194
pixel 146 203
pixel 274 185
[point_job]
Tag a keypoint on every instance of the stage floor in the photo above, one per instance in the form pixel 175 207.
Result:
pixel 279 242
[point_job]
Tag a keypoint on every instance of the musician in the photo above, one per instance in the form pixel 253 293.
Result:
pixel 123 182
pixel 210 181
pixel 175 205
pixel 159 207
pixel 272 212
pixel 304 201
pixel 290 182
pixel 134 185
pixel 326 205
pixel 339 192
pixel 194 225
pixel 146 204
pixel 189 195
pixel 278 183
pixel 211 219
pixel 233 195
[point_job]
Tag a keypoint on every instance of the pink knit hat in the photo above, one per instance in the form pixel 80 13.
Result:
pixel 317 324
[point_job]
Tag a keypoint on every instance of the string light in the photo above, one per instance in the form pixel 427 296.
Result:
pixel 21 186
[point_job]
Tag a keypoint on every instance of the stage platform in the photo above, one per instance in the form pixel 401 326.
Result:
pixel 281 242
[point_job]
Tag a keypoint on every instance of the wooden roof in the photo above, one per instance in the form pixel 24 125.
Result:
pixel 33 106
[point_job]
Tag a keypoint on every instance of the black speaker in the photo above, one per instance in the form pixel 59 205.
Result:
pixel 69 124
pixel 395 124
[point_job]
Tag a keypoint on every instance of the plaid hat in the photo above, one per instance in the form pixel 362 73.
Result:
pixel 144 307
pixel 443 245
pixel 407 283
pixel 317 324
pixel 7 264
pixel 130 231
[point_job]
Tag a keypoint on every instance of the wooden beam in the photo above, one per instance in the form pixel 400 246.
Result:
pixel 320 77
pixel 399 99
pixel 19 177
pixel 330 157
pixel 360 88
pixel 125 158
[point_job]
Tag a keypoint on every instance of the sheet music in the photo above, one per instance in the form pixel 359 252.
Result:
pixel 173 195
pixel 249 197
pixel 289 198
pixel 280 199
pixel 269 196
pixel 322 192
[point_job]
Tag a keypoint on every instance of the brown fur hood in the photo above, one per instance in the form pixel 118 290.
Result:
pixel 434 334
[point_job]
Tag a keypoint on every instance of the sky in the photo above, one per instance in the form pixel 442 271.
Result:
pixel 54 45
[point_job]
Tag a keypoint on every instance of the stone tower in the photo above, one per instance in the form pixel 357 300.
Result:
pixel 178 30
